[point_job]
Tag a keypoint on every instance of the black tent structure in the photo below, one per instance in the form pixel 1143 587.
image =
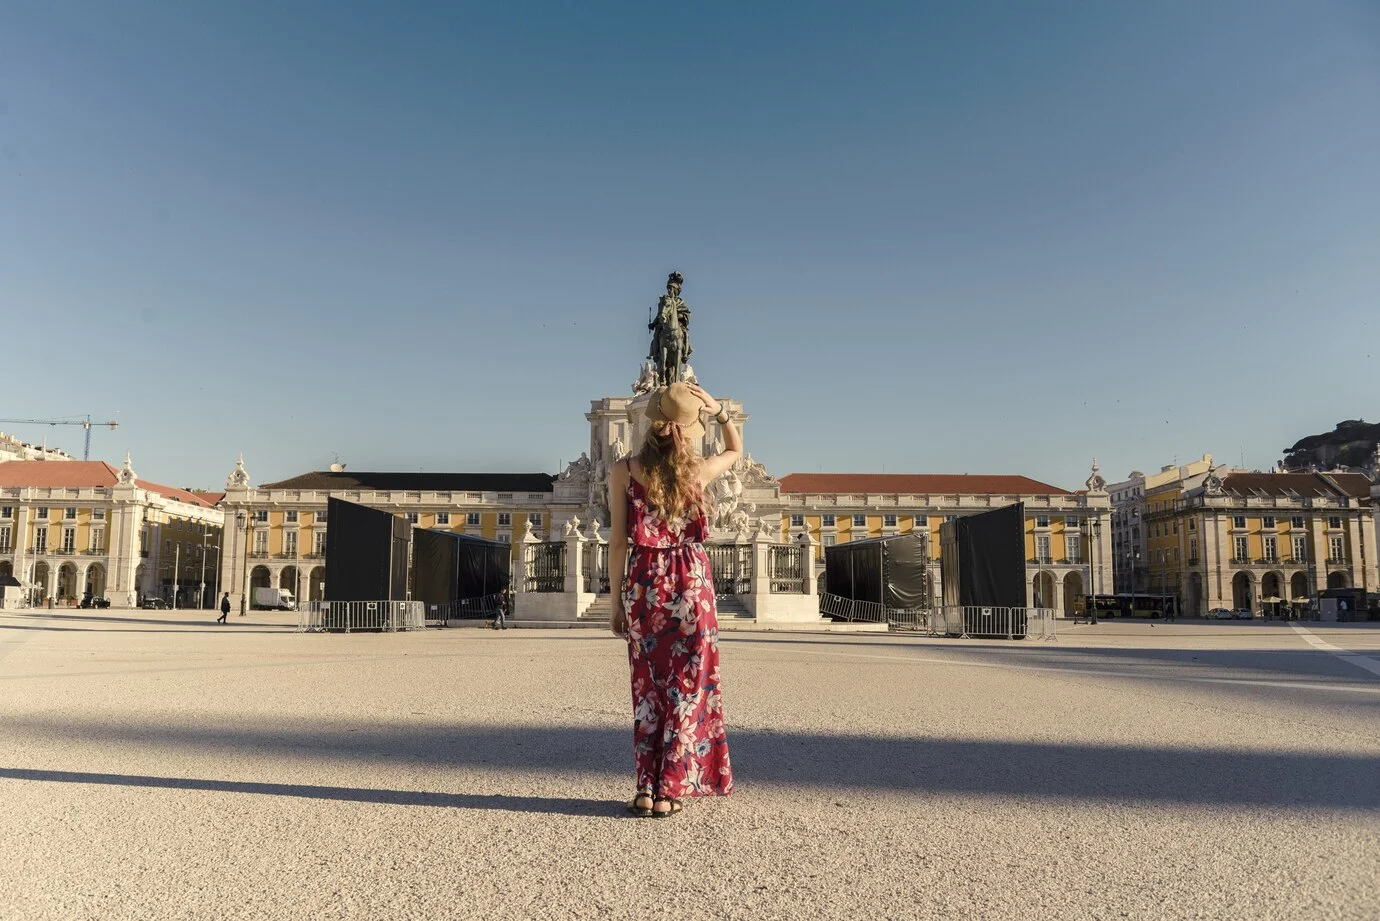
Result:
pixel 366 553
pixel 449 567
pixel 888 572
pixel 982 564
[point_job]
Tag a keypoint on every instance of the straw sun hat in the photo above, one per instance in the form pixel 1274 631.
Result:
pixel 680 405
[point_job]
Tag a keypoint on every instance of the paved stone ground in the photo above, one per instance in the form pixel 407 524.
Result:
pixel 157 765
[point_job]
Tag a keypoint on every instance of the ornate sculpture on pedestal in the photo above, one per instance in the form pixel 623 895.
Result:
pixel 238 478
pixel 670 333
pixel 127 474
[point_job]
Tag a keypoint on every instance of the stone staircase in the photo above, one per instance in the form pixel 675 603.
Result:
pixel 732 606
pixel 602 609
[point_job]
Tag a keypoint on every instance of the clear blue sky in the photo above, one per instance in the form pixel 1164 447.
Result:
pixel 972 237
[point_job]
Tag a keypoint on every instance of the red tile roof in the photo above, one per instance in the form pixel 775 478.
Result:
pixel 79 475
pixel 947 484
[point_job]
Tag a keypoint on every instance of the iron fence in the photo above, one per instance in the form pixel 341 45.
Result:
pixel 787 562
pixel 349 616
pixel 732 568
pixel 545 567
pixel 594 568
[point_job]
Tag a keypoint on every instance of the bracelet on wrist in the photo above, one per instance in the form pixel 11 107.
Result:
pixel 722 416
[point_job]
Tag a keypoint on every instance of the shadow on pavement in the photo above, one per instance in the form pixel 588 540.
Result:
pixel 203 618
pixel 918 765
pixel 549 806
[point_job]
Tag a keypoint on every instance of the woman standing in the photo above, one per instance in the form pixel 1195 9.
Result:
pixel 666 608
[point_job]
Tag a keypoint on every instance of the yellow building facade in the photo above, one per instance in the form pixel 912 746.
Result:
pixel 1255 541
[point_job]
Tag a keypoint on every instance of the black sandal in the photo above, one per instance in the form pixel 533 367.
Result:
pixel 674 808
pixel 637 811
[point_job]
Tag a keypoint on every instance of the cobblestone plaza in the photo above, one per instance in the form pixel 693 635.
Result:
pixel 161 766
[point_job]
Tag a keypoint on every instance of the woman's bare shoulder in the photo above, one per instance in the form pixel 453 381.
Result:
pixel 631 468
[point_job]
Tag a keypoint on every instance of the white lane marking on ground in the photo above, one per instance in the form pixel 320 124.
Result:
pixel 1107 673
pixel 1346 655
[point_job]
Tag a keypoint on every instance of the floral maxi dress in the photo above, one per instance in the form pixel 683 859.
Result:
pixel 679 743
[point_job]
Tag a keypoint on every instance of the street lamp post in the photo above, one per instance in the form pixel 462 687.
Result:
pixel 242 519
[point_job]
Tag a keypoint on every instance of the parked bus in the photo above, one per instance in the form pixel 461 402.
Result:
pixel 1130 604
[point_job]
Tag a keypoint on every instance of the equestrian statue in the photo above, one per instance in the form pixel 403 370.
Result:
pixel 671 349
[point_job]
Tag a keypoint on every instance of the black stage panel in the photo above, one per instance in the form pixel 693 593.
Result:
pixel 453 567
pixel 366 553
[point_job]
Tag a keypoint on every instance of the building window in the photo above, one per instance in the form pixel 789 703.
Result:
pixel 1193 550
pixel 1296 521
pixel 411 517
pixel 1071 521
pixel 261 515
pixel 1238 550
pixel 922 521
pixel 1334 522
pixel 1176 554
pixel 797 521
pixel 1192 525
pixel 828 521
pixel 829 540
pixel 534 518
pixel 1300 549
pixel 1238 521
pixel 443 519
pixel 1073 548
pixel 43 513
pixel 1042 548
pixel 41 540
pixel 69 513
pixel 888 521
pixel 505 538
pixel 291 516
pixel 7 511
pixel 6 536
pixel 472 519
pixel 505 519
pixel 1335 549
pixel 320 517
pixel 260 543
pixel 318 543
pixel 859 521
pixel 167 548
pixel 1267 522
pixel 290 543
pixel 97 539
pixel 1041 521
pixel 1270 545
pixel 1175 526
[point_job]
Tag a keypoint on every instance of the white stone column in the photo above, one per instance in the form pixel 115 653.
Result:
pixel 525 544
pixel 1370 566
pixel 807 543
pixel 574 545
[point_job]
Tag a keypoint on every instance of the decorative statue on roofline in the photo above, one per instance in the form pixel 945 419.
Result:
pixel 670 334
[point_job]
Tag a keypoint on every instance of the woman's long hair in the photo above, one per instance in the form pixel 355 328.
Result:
pixel 672 469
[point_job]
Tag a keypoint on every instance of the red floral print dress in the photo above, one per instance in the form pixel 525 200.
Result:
pixel 679 743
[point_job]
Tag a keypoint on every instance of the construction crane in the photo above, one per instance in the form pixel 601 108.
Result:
pixel 84 423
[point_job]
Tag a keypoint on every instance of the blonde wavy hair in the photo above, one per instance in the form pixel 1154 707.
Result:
pixel 671 467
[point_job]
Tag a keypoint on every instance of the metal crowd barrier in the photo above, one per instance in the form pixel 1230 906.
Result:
pixel 994 622
pixel 482 608
pixel 349 616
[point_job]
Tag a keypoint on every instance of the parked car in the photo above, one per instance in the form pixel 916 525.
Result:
pixel 1221 614
pixel 95 601
pixel 153 604
pixel 1243 614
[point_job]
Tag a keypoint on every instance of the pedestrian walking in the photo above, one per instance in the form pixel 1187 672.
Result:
pixel 224 609
pixel 665 608
pixel 501 616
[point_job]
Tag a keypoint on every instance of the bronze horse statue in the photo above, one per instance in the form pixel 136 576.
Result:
pixel 670 333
